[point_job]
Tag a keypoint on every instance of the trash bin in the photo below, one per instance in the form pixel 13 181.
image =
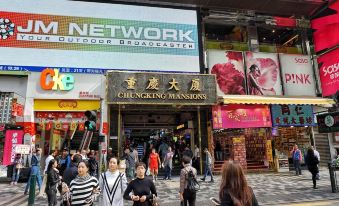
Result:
pixel 333 176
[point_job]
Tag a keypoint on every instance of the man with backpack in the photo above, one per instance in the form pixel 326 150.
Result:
pixel 297 157
pixel 188 183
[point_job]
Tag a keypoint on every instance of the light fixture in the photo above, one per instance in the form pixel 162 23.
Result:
pixel 273 31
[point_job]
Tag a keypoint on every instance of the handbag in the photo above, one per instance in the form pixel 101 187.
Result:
pixel 155 201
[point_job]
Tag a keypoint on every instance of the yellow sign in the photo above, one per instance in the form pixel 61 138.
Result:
pixel 65 105
pixel 269 150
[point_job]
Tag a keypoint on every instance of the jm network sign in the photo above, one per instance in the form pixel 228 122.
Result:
pixel 140 38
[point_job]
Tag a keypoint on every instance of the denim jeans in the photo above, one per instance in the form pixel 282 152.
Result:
pixel 297 167
pixel 168 173
pixel 35 170
pixel 208 170
pixel 15 174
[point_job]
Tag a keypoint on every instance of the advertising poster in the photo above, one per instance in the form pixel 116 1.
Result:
pixel 241 116
pixel 263 76
pixel 12 138
pixel 292 115
pixel 329 72
pixel 297 75
pixel 228 67
pixel 69 34
pixel 326 27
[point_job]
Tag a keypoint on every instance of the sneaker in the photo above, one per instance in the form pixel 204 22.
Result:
pixel 25 193
pixel 15 183
pixel 169 179
pixel 11 183
pixel 203 179
pixel 315 188
pixel 211 181
pixel 156 178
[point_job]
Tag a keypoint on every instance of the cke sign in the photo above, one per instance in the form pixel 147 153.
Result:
pixel 51 79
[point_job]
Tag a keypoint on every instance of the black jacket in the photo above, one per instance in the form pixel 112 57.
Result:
pixel 312 163
pixel 227 200
pixel 70 174
pixel 52 179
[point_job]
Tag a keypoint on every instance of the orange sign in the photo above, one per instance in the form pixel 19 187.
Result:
pixel 59 82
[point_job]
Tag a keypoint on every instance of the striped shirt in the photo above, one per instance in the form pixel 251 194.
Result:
pixel 82 191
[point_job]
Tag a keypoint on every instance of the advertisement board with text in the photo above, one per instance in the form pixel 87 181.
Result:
pixel 98 35
pixel 297 75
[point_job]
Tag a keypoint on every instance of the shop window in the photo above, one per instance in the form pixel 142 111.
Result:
pixel 279 40
pixel 226 37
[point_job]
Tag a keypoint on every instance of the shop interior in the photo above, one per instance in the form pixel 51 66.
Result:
pixel 262 144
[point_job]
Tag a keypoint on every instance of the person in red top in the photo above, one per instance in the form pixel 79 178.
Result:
pixel 154 161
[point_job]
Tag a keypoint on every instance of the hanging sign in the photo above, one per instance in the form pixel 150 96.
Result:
pixel 241 116
pixel 328 122
pixel 292 115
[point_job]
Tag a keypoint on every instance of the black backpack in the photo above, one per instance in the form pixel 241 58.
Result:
pixel 192 183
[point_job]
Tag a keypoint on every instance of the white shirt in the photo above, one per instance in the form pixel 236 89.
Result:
pixel 48 159
pixel 316 153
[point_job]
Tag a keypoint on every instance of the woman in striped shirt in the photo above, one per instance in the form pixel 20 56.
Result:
pixel 84 188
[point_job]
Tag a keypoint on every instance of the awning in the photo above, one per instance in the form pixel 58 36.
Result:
pixel 254 99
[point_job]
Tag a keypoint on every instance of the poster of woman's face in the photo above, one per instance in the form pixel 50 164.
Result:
pixel 228 67
pixel 263 76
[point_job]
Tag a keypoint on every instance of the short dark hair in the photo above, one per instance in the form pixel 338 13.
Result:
pixel 186 159
pixel 139 164
pixel 77 158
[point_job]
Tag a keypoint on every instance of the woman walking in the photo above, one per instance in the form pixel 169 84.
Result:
pixel 113 184
pixel 234 190
pixel 142 188
pixel 84 188
pixel 154 161
pixel 186 195
pixel 52 181
pixel 312 165
pixel 17 165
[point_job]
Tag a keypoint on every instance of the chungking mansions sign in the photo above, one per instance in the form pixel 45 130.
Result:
pixel 160 88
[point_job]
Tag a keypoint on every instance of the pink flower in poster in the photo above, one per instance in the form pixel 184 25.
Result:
pixel 230 80
pixel 237 56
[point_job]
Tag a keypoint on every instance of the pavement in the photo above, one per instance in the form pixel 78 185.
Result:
pixel 270 189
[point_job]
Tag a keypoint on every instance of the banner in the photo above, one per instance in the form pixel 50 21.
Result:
pixel 56 140
pixel 329 72
pixel 65 105
pixel 297 75
pixel 241 116
pixel 161 39
pixel 328 123
pixel 263 76
pixel 292 115
pixel 12 139
pixel 228 67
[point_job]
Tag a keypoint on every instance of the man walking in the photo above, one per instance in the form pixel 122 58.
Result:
pixel 196 158
pixel 130 164
pixel 296 156
pixel 168 163
pixel 208 165
pixel 35 169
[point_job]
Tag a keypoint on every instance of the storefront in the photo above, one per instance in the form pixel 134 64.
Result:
pixel 58 101
pixel 261 136
pixel 13 88
pixel 151 108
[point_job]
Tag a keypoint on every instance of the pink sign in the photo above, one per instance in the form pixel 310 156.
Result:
pixel 241 116
pixel 12 138
pixel 329 72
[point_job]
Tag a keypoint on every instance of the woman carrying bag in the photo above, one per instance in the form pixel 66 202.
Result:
pixel 52 181
pixel 143 189
pixel 84 188
pixel 113 184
